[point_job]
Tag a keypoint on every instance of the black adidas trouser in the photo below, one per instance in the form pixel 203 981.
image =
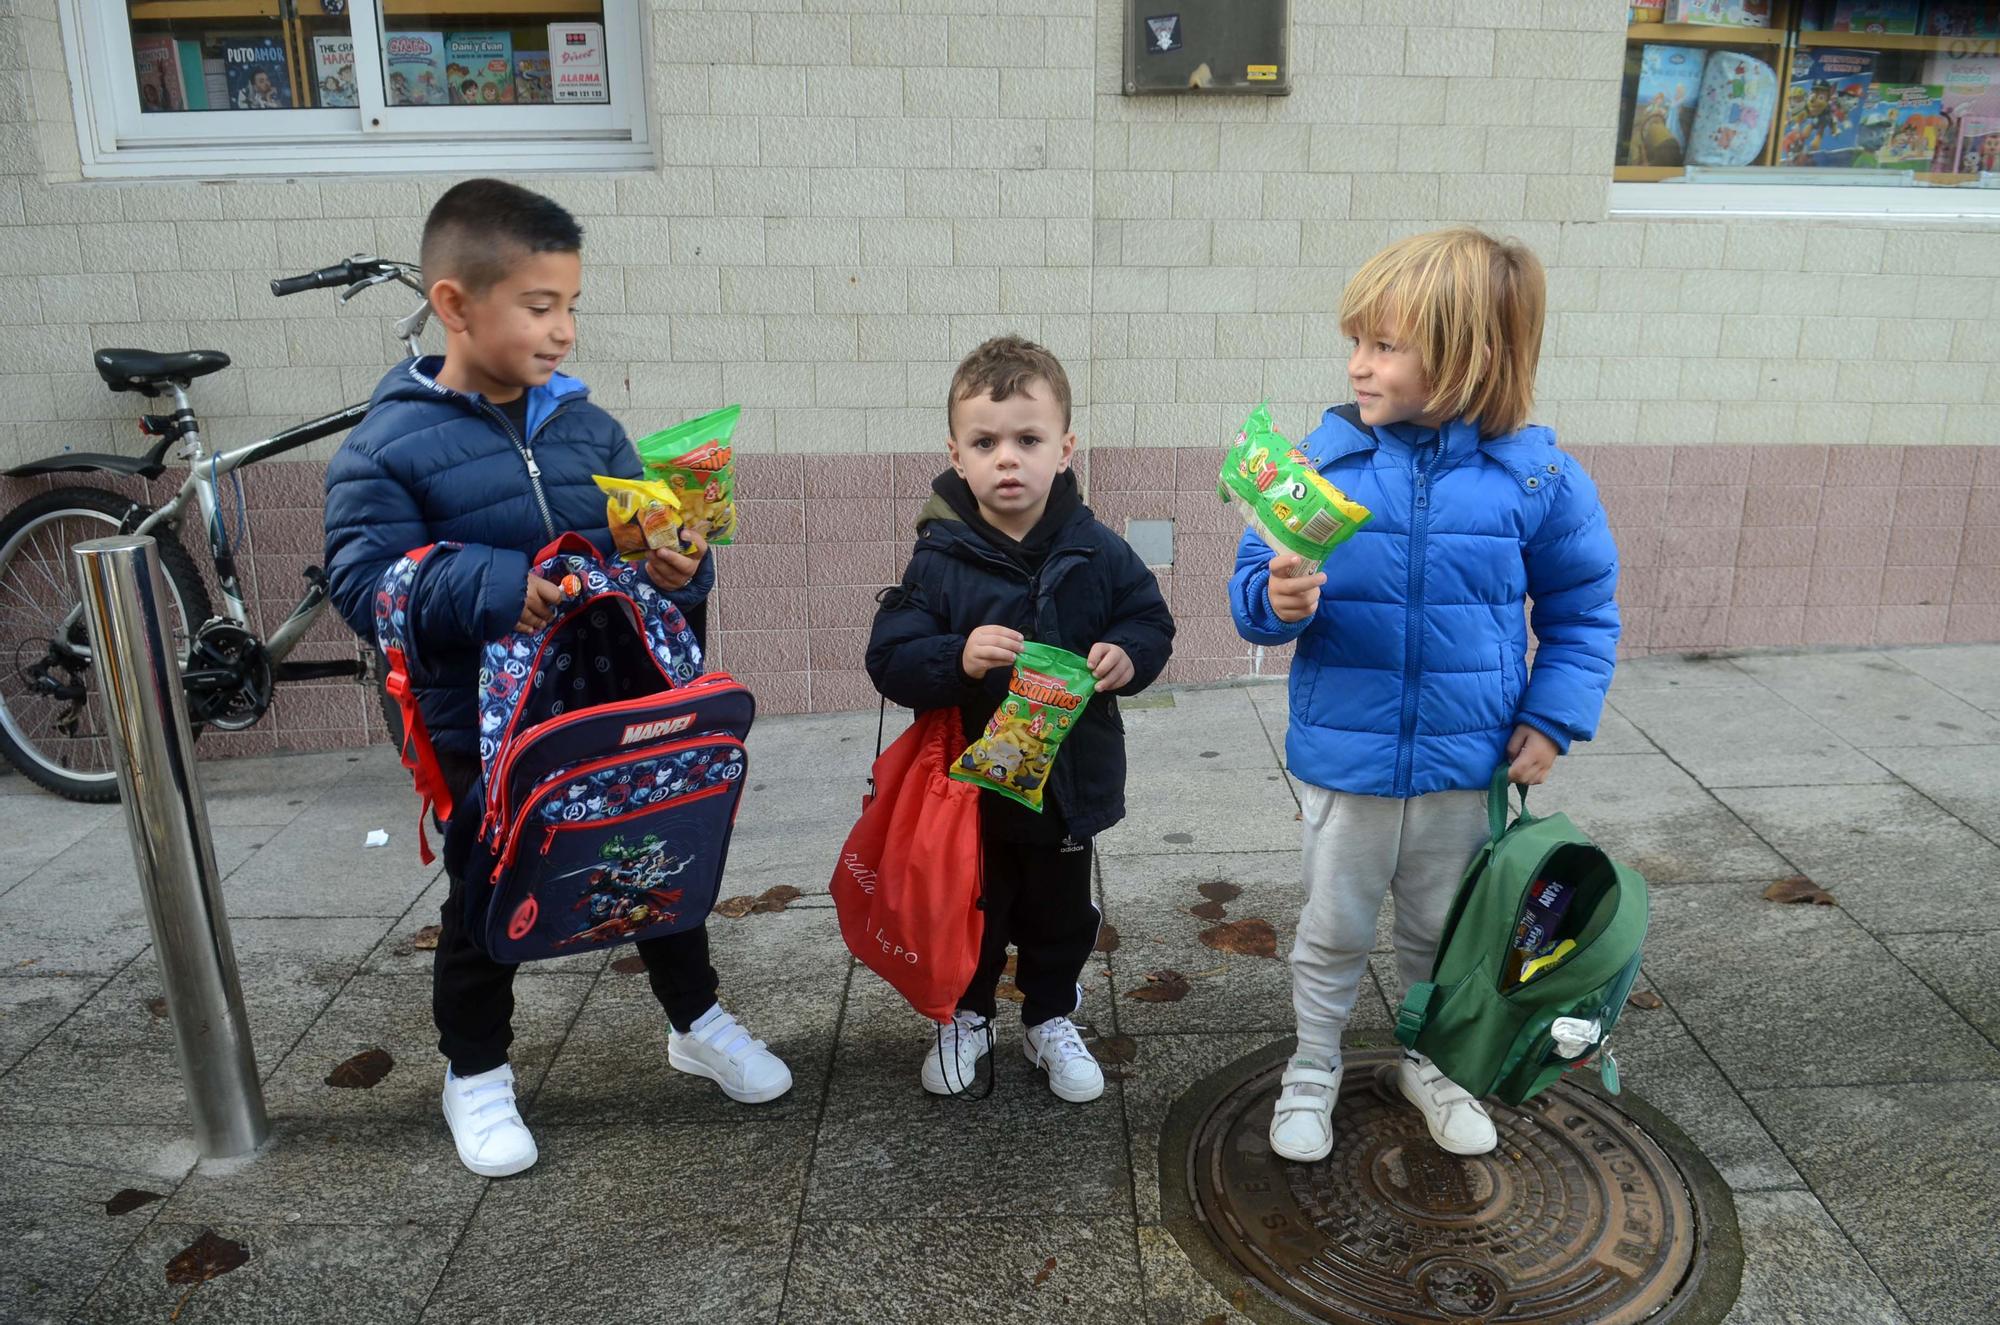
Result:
pixel 472 996
pixel 1038 897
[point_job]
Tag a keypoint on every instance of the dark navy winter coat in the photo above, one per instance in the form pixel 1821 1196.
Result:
pixel 1412 674
pixel 429 464
pixel 1092 587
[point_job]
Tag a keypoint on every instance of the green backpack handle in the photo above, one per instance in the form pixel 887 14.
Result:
pixel 1497 806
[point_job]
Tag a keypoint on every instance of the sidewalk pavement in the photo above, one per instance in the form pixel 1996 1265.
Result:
pixel 1838 1065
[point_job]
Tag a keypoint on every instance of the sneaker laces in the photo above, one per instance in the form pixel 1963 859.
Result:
pixel 1060 1037
pixel 964 1028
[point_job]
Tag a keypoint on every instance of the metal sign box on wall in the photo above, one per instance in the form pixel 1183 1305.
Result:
pixel 1233 46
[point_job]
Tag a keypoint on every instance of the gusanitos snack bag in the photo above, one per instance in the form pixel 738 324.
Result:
pixel 1045 698
pixel 642 515
pixel 1284 498
pixel 696 460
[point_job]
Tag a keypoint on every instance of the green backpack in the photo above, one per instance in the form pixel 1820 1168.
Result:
pixel 1491 1031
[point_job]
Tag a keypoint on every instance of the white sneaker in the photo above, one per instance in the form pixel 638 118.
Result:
pixel 1457 1122
pixel 492 1140
pixel 1056 1046
pixel 953 1061
pixel 1302 1119
pixel 717 1047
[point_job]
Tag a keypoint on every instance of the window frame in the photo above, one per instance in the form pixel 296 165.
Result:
pixel 119 141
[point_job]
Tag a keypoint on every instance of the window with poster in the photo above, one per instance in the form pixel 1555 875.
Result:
pixel 1815 107
pixel 231 87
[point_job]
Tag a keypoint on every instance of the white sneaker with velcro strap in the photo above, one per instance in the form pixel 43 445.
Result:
pixel 1457 1122
pixel 1302 1119
pixel 717 1047
pixel 485 1124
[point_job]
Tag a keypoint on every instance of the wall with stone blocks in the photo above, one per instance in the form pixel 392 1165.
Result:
pixel 1795 423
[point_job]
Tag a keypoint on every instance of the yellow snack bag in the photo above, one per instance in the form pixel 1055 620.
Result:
pixel 642 515
pixel 1045 697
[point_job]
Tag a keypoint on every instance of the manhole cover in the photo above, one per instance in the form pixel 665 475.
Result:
pixel 1577 1216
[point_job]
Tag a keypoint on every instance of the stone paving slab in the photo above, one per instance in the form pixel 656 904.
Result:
pixel 1838 1065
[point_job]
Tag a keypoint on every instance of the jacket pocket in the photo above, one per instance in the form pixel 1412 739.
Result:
pixel 1510 682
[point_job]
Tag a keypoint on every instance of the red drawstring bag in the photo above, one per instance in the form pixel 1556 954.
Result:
pixel 908 883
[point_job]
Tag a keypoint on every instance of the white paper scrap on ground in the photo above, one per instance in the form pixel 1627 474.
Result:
pixel 376 838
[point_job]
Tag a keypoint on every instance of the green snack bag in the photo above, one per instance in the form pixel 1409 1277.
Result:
pixel 1045 698
pixel 1285 499
pixel 696 460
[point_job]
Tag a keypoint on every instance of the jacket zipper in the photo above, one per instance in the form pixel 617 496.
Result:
pixel 496 812
pixel 528 455
pixel 1413 627
pixel 549 833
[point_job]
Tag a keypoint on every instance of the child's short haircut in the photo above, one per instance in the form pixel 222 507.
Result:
pixel 1001 367
pixel 480 229
pixel 1456 296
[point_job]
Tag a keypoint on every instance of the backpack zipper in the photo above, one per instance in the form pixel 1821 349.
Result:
pixel 549 833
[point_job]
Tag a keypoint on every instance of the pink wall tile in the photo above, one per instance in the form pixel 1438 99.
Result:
pixel 1638 587
pixel 1708 465
pixel 1932 506
pixel 1638 546
pixel 1683 546
pixel 1840 625
pixel 1690 628
pixel 1916 545
pixel 776 608
pixel 1850 547
pixel 1988 475
pixel 847 475
pixel 739 651
pixel 1981 546
pixel 1977 583
pixel 1939 466
pixel 1973 623
pixel 1770 586
pixel 1781 465
pixel 1626 466
pixel 769 477
pixel 754 567
pixel 1194 671
pixel 762 521
pixel 778 692
pixel 1845 586
pixel 844 649
pixel 1209 637
pixel 1637 506
pixel 1706 505
pixel 834 691
pixel 912 472
pixel 1984 507
pixel 1918 585
pixel 1896 624
pixel 1134 469
pixel 1202 512
pixel 1696 586
pixel 1786 504
pixel 856 520
pixel 838 605
pixel 1766 627
pixel 1776 547
pixel 1864 466
pixel 855 563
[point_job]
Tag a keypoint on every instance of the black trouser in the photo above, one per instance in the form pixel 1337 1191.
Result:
pixel 472 996
pixel 1037 895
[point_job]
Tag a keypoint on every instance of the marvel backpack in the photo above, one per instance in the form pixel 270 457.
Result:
pixel 610 766
pixel 1507 1027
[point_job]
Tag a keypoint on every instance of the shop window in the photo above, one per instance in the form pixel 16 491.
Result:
pixel 216 87
pixel 1725 101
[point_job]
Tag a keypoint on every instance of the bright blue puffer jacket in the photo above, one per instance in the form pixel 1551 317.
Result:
pixel 429 464
pixel 1412 674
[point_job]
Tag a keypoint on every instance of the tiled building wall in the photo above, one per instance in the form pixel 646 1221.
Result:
pixel 852 193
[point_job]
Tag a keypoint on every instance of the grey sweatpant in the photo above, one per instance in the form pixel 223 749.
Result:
pixel 1356 849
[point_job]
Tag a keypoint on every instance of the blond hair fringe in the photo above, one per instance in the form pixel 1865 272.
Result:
pixel 1472 307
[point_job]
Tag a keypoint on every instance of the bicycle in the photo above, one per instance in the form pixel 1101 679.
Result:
pixel 50 726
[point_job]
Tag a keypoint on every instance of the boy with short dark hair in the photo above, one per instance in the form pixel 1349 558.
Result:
pixel 492 448
pixel 1006 552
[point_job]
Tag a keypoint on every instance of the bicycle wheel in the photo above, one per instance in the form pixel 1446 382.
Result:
pixel 51 715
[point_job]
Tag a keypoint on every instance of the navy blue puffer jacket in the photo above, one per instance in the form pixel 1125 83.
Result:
pixel 429 464
pixel 1413 673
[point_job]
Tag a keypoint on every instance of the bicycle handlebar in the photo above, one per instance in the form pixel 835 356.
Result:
pixel 345 272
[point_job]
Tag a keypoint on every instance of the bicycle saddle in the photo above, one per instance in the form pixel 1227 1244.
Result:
pixel 144 371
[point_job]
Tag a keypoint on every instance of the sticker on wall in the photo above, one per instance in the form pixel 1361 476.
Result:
pixel 1166 34
pixel 1263 73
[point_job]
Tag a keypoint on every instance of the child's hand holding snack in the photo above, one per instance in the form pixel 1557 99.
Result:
pixel 670 569
pixel 538 604
pixel 1111 665
pixel 989 647
pixel 1294 594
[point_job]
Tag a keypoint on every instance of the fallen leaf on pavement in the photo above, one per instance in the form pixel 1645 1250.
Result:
pixel 1217 891
pixel 425 939
pixel 362 1071
pixel 1107 938
pixel 1245 938
pixel 735 908
pixel 1161 987
pixel 1041 1276
pixel 631 965
pixel 1646 1000
pixel 776 899
pixel 130 1199
pixel 205 1258
pixel 157 1005
pixel 1113 1048
pixel 1798 888
pixel 1208 911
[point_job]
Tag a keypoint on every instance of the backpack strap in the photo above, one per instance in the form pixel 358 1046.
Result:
pixel 1497 806
pixel 392 634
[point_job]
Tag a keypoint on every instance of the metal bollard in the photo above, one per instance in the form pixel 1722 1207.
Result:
pixel 139 680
